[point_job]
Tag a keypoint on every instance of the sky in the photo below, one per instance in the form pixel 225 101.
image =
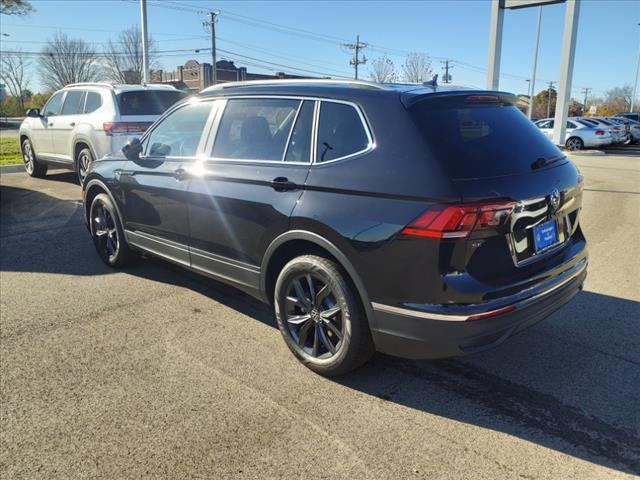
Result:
pixel 309 35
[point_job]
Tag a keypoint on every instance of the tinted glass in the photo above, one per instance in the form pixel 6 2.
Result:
pixel 480 140
pixel 255 129
pixel 571 125
pixel 545 124
pixel 299 149
pixel 148 102
pixel 340 132
pixel 73 102
pixel 178 134
pixel 53 105
pixel 94 102
pixel 591 123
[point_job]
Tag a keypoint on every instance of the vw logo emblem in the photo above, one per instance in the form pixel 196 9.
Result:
pixel 554 199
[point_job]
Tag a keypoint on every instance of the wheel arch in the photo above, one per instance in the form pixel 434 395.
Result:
pixel 299 242
pixel 93 188
pixel 78 144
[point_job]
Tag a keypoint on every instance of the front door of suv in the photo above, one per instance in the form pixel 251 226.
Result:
pixel 244 192
pixel 154 187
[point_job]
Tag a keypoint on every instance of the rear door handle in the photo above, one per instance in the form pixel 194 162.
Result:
pixel 282 183
pixel 180 174
pixel 72 124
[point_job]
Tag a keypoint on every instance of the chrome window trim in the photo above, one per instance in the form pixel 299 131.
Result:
pixel 214 131
pixel 370 145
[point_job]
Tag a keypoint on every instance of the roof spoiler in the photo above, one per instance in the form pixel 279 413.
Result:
pixel 412 97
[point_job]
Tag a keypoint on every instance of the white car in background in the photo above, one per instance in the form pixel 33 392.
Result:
pixel 618 132
pixel 579 134
pixel 85 121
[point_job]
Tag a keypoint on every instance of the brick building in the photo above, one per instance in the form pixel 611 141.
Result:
pixel 196 76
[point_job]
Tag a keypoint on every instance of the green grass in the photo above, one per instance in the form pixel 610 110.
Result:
pixel 10 153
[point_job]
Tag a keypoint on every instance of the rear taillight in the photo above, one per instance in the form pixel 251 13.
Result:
pixel 458 221
pixel 637 127
pixel 111 128
pixel 600 132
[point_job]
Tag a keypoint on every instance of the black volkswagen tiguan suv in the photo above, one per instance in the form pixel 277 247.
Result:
pixel 418 221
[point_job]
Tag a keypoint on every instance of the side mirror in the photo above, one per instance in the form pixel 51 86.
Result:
pixel 132 149
pixel 33 113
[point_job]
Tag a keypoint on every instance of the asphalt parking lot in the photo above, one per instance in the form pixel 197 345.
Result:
pixel 154 372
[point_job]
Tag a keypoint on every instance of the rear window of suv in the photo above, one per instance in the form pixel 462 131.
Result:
pixel 480 136
pixel 148 102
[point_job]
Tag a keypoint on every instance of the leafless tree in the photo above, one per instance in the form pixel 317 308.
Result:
pixel 123 57
pixel 417 68
pixel 13 73
pixel 15 7
pixel 67 60
pixel 383 70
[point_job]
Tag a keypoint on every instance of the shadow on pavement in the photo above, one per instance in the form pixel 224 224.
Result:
pixel 570 383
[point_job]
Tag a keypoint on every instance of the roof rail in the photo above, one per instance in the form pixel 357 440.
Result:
pixel 292 81
pixel 91 84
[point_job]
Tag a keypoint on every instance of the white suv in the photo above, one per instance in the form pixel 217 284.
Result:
pixel 85 121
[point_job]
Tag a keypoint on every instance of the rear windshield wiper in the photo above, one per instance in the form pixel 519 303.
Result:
pixel 543 162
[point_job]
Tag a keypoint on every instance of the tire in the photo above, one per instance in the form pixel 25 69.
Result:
pixel 107 233
pixel 331 314
pixel 31 164
pixel 83 162
pixel 574 143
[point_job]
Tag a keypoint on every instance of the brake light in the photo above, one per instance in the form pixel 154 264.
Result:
pixel 111 128
pixel 637 127
pixel 482 98
pixel 599 132
pixel 458 221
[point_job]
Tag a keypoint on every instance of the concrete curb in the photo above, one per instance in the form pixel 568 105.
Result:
pixel 589 153
pixel 11 168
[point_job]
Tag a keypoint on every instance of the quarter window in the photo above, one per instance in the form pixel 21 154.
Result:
pixel 299 149
pixel 255 129
pixel 178 135
pixel 94 102
pixel 340 132
pixel 54 105
pixel 73 102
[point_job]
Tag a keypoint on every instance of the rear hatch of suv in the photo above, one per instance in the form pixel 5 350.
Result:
pixel 520 195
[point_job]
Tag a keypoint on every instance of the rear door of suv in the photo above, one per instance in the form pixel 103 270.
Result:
pixel 243 192
pixel 64 127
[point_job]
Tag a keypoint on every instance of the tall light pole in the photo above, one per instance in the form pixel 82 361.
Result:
pixel 635 82
pixel 145 42
pixel 535 61
pixel 214 69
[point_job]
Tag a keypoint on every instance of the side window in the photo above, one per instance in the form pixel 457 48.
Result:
pixel 178 135
pixel 299 148
pixel 94 102
pixel 571 125
pixel 255 128
pixel 546 124
pixel 54 105
pixel 340 132
pixel 73 102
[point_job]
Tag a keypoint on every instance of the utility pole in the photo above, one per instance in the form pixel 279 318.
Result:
pixel 549 99
pixel 447 67
pixel 635 82
pixel 585 90
pixel 145 42
pixel 535 62
pixel 212 24
pixel 355 61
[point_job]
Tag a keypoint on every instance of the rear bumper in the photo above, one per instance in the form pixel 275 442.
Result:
pixel 419 334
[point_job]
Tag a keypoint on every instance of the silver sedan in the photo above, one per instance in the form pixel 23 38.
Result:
pixel 579 134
